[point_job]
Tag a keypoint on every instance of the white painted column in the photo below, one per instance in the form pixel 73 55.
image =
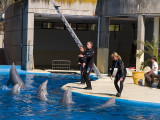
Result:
pixel 156 29
pixel 103 38
pixel 28 41
pixel 140 39
pixel 103 47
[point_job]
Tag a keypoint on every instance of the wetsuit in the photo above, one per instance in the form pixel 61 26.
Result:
pixel 121 73
pixel 89 58
pixel 82 60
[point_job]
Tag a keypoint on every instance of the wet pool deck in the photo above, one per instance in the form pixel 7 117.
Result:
pixel 53 71
pixel 105 88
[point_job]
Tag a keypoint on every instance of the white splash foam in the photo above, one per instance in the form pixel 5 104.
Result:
pixel 4 87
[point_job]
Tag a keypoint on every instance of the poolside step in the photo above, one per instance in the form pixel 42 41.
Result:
pixel 2 57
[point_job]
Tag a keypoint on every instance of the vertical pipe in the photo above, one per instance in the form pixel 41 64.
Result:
pixel 22 32
pixel 99 30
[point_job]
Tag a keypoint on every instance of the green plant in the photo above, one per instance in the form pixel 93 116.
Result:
pixel 151 48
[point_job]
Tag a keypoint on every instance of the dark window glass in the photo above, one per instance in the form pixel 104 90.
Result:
pixel 92 27
pixel 82 27
pixel 37 25
pixel 59 26
pixel 73 25
pixel 47 25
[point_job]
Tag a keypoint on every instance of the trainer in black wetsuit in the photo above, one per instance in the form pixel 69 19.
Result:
pixel 81 61
pixel 89 56
pixel 121 73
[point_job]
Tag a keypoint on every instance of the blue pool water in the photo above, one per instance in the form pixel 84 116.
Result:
pixel 26 107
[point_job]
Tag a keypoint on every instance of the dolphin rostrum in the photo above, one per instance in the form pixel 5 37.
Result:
pixel 16 89
pixel 67 97
pixel 42 91
pixel 15 78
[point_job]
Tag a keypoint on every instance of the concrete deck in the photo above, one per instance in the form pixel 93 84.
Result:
pixel 54 71
pixel 105 88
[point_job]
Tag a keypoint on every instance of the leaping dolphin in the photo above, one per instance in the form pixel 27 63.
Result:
pixel 67 97
pixel 16 89
pixel 15 78
pixel 42 91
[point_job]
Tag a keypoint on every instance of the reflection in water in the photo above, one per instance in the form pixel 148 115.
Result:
pixel 80 1
pixel 26 105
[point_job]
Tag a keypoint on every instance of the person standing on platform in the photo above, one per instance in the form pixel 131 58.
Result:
pixel 89 58
pixel 120 75
pixel 81 63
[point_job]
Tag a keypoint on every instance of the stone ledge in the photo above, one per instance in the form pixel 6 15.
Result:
pixel 105 88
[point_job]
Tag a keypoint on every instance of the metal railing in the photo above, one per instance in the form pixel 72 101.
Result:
pixel 61 65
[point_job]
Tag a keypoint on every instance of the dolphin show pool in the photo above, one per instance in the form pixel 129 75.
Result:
pixel 26 106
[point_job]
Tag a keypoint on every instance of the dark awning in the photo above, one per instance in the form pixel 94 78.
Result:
pixel 70 18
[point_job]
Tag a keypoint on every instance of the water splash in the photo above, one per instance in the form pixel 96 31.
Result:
pixel 4 87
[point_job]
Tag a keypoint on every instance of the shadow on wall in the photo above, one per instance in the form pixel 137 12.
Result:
pixel 52 44
pixel 119 41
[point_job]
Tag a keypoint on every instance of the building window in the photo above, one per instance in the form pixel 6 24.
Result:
pixel 59 26
pixel 37 25
pixel 73 26
pixel 82 26
pixel 92 27
pixel 114 28
pixel 47 25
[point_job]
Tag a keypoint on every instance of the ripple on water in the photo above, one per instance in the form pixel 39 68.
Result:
pixel 4 87
pixel 26 105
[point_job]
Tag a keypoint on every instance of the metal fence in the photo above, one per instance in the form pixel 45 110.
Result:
pixel 61 65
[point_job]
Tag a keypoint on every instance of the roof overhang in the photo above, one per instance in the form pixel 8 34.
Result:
pixel 70 18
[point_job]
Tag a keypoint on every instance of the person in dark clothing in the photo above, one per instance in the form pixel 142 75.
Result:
pixel 121 72
pixel 81 63
pixel 89 58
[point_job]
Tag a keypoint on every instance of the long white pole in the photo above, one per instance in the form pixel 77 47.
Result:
pixel 76 39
